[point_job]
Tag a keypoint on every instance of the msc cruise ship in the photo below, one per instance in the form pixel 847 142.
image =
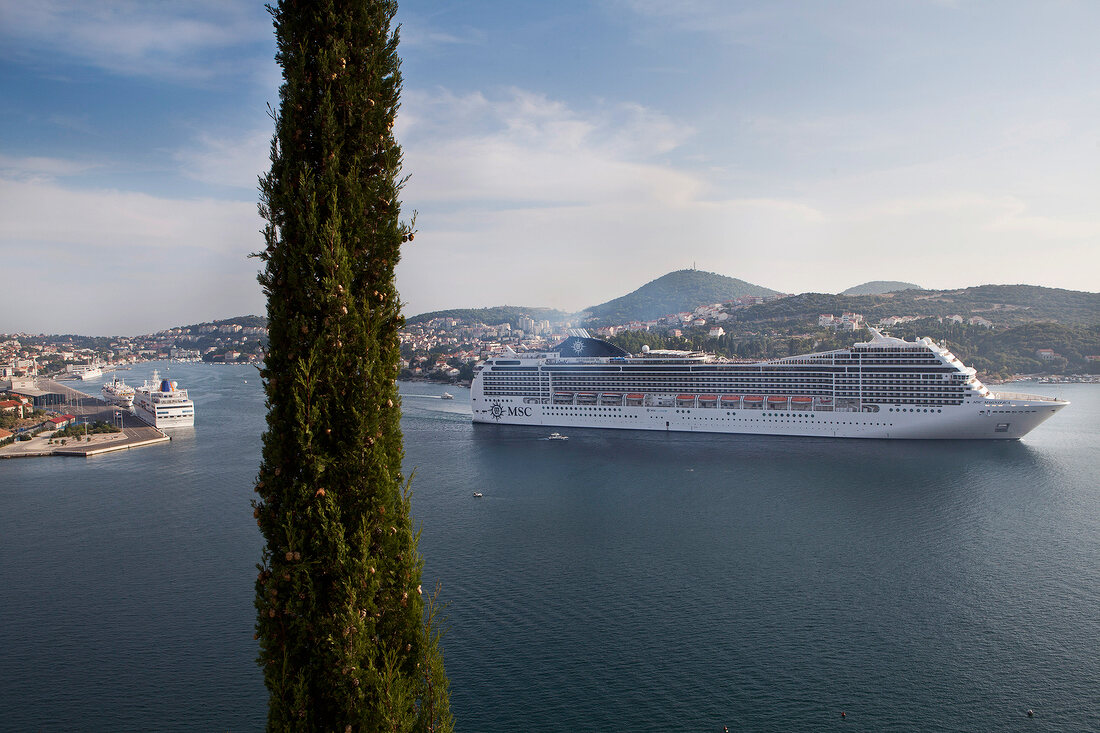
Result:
pixel 883 388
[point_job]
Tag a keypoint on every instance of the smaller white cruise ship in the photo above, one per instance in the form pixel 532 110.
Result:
pixel 118 393
pixel 162 404
pixel 85 372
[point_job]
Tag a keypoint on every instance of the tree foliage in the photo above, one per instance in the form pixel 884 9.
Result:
pixel 1004 352
pixel 341 617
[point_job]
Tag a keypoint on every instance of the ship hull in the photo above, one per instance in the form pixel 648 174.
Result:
pixel 968 422
pixel 164 421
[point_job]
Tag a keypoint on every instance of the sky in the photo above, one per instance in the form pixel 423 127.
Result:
pixel 563 153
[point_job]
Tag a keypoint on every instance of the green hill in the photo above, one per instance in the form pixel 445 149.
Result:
pixel 1003 305
pixel 1025 318
pixel 678 291
pixel 880 287
pixel 492 316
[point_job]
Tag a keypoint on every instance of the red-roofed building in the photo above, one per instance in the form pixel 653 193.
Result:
pixel 61 421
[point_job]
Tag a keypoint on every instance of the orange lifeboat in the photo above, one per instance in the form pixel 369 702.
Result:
pixel 777 400
pixel 635 396
pixel 802 400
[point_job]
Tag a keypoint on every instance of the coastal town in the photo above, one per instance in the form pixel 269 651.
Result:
pixel 443 348
pixel 239 340
pixel 447 348
pixel 46 385
pixel 41 376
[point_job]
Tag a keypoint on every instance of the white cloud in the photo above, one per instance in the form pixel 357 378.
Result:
pixel 133 262
pixel 228 161
pixel 525 147
pixel 45 212
pixel 1047 228
pixel 134 38
pixel 526 200
pixel 417 35
pixel 40 169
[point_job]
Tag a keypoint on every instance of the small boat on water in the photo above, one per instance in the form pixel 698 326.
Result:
pixel 557 436
pixel 446 396
pixel 478 494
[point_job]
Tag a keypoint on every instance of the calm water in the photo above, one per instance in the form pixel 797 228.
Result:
pixel 614 581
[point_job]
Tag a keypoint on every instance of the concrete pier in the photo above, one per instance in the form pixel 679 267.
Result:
pixel 135 432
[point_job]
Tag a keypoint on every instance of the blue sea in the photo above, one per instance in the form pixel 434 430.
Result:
pixel 626 581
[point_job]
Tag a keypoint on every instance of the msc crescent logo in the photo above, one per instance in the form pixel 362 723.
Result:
pixel 497 411
pixel 578 346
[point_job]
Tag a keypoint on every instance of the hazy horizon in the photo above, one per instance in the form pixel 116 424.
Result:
pixel 409 314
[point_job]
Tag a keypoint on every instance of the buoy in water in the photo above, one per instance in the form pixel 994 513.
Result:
pixel 843 714
pixel 1030 713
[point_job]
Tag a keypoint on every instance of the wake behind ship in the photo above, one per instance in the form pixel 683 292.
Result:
pixel 883 388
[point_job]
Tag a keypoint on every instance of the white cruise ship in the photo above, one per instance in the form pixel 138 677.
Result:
pixel 162 404
pixel 85 372
pixel 117 392
pixel 882 388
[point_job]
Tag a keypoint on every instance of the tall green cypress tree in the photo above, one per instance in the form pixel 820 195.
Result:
pixel 344 643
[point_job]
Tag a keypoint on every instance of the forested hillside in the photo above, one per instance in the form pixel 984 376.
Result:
pixel 994 353
pixel 492 316
pixel 1002 305
pixel 682 290
pixel 878 287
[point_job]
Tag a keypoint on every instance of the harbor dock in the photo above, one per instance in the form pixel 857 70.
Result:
pixel 135 432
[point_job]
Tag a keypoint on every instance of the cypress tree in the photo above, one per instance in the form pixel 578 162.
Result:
pixel 347 640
